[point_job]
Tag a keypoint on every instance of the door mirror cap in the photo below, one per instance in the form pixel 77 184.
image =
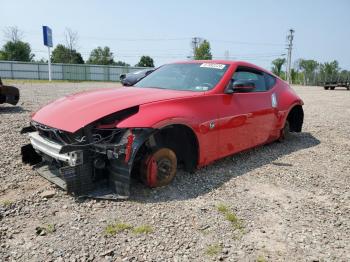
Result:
pixel 239 86
pixel 243 86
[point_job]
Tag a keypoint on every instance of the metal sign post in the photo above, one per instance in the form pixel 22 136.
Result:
pixel 47 34
pixel 49 62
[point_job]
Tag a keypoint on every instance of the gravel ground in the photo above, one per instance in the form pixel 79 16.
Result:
pixel 281 202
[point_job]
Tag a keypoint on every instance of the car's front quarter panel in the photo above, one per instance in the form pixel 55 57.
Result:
pixel 195 112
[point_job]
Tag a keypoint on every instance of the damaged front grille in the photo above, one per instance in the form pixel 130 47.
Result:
pixel 82 139
pixel 57 135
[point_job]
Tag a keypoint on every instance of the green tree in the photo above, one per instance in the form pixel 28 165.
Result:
pixel 202 52
pixel 329 70
pixel 62 54
pixel 344 74
pixel 297 76
pixel 294 75
pixel 277 66
pixel 145 61
pixel 101 56
pixel 121 63
pixel 42 60
pixel 308 68
pixel 17 51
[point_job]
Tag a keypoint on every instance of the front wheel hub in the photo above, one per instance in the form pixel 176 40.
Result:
pixel 159 168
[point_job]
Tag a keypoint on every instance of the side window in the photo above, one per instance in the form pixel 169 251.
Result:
pixel 254 76
pixel 270 81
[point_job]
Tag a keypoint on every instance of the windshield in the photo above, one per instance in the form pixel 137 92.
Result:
pixel 187 77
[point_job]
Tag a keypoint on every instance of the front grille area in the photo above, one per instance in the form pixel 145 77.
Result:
pixel 56 135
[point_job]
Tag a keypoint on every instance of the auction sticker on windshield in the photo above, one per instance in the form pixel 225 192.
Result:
pixel 210 65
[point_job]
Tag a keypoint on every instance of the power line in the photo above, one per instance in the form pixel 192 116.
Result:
pixel 260 55
pixel 182 38
pixel 237 57
pixel 246 43
pixel 116 38
pixel 175 55
pixel 135 39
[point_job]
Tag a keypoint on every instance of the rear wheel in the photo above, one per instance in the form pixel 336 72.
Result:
pixel 332 88
pixel 326 87
pixel 159 167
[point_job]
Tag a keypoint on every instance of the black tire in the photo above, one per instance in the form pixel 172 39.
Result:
pixel 285 132
pixel 332 88
pixel 326 88
pixel 159 167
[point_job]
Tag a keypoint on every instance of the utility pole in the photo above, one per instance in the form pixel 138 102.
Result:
pixel 227 55
pixel 289 58
pixel 195 43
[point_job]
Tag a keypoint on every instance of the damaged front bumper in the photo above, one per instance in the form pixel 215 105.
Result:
pixel 98 170
pixel 52 149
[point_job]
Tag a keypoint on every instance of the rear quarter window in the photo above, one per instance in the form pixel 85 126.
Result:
pixel 270 81
pixel 256 77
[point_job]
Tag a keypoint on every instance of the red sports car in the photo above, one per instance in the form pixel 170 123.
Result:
pixel 185 114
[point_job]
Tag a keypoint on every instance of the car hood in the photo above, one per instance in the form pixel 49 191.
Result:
pixel 73 112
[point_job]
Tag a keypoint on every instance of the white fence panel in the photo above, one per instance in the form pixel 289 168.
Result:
pixel 24 70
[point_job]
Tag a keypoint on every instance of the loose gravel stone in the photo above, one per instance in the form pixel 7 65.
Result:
pixel 48 194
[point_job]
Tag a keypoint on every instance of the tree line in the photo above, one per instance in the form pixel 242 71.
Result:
pixel 15 49
pixel 311 72
pixel 304 72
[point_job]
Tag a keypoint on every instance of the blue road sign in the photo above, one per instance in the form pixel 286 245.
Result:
pixel 47 33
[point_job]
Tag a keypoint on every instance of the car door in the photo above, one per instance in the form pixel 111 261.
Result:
pixel 246 118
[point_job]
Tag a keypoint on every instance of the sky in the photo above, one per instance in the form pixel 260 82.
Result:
pixel 250 30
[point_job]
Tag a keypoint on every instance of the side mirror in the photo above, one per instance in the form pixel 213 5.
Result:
pixel 148 72
pixel 239 86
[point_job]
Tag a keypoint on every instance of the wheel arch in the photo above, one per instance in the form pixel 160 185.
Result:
pixel 295 117
pixel 179 137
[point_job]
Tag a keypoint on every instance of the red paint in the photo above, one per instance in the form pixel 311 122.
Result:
pixel 128 149
pixel 75 111
pixel 242 120
pixel 152 172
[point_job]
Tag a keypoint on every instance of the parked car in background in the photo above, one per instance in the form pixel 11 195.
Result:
pixel 132 78
pixel 8 94
pixel 182 115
